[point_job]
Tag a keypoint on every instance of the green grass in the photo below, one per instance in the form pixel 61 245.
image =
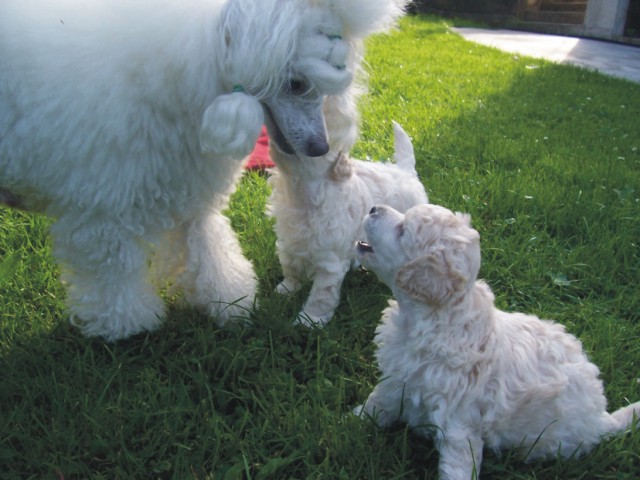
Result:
pixel 546 159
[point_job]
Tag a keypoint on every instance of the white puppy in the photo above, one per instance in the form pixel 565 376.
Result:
pixel 127 122
pixel 457 368
pixel 319 205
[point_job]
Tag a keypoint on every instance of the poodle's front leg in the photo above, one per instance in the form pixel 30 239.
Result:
pixel 324 296
pixel 460 454
pixel 217 277
pixel 105 269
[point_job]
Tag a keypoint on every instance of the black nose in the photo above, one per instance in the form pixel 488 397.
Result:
pixel 317 147
pixel 373 210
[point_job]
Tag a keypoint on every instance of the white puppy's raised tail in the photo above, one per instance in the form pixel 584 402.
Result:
pixel 404 156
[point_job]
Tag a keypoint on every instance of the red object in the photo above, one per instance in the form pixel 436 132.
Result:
pixel 259 159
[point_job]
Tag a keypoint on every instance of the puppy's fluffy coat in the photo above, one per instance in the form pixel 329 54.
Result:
pixel 451 360
pixel 319 205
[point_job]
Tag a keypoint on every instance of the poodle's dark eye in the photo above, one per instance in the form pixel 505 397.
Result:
pixel 297 87
pixel 400 230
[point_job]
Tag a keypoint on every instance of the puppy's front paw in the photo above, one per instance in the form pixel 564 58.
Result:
pixel 378 416
pixel 227 314
pixel 309 320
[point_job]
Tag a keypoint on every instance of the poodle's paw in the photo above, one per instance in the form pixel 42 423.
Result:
pixel 231 125
pixel 287 287
pixel 113 324
pixel 309 320
pixel 358 411
pixel 238 312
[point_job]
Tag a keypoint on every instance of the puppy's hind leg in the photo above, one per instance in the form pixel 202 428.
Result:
pixel 324 296
pixel 218 278
pixel 105 269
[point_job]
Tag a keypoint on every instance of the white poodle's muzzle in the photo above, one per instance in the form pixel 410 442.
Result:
pixel 296 124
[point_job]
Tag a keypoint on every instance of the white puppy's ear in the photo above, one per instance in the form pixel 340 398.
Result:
pixel 431 279
pixel 341 169
pixel 231 125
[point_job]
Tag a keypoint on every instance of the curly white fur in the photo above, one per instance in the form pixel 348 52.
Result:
pixel 457 368
pixel 127 122
pixel 319 205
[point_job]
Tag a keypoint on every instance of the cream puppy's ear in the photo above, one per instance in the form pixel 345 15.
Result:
pixel 431 279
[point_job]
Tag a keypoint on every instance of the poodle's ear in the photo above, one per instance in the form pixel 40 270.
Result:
pixel 431 279
pixel 342 169
pixel 323 58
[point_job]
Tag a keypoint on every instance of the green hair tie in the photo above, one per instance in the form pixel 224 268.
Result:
pixel 334 37
pixel 238 88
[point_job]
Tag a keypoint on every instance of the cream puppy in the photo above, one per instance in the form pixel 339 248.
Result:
pixel 452 361
pixel 319 205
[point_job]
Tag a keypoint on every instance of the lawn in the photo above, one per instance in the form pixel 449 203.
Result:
pixel 545 158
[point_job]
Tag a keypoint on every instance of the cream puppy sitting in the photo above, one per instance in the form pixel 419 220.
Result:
pixel 319 204
pixel 452 361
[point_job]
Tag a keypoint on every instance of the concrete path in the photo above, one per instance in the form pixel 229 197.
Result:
pixel 606 57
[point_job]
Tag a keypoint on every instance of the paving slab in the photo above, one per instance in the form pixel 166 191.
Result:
pixel 609 58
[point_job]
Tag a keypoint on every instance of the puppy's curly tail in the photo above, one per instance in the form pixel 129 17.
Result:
pixel 404 155
pixel 625 416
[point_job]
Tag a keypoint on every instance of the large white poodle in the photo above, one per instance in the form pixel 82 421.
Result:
pixel 457 368
pixel 319 205
pixel 127 121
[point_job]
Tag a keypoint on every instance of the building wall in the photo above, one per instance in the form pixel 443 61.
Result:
pixel 603 18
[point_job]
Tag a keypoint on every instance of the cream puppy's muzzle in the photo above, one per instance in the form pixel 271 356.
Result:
pixel 382 252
